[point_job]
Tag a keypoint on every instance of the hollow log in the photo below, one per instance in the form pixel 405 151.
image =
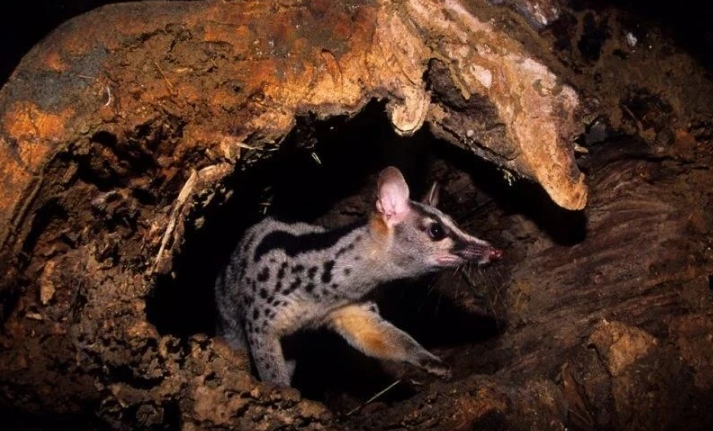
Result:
pixel 130 132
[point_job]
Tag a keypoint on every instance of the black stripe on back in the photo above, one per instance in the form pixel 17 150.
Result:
pixel 294 245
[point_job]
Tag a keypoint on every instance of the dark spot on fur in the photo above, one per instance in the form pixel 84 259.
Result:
pixel 348 247
pixel 281 271
pixel 264 274
pixel 335 286
pixel 309 287
pixel 294 285
pixel 251 328
pixel 256 313
pixel 263 293
pixel 312 272
pixel 347 271
pixel 278 287
pixel 297 268
pixel 327 274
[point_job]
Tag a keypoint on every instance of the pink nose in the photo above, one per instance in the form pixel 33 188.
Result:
pixel 495 254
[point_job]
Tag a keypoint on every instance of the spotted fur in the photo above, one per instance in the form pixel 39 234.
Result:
pixel 283 277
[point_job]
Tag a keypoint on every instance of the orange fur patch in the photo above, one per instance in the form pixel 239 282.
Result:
pixel 359 327
pixel 374 342
pixel 378 227
pixel 366 335
pixel 380 236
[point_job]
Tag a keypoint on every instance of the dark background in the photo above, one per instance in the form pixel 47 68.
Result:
pixel 26 22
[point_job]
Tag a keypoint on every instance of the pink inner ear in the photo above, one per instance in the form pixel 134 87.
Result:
pixel 393 195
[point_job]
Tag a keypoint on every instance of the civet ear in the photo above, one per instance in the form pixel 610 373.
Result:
pixel 432 196
pixel 392 202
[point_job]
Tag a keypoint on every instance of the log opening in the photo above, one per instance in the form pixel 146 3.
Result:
pixel 324 170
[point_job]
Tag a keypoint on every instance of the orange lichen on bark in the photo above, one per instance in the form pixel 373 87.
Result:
pixel 54 61
pixel 30 134
pixel 25 122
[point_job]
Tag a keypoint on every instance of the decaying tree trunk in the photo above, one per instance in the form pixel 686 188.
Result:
pixel 121 128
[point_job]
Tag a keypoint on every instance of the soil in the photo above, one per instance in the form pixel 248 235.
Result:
pixel 594 319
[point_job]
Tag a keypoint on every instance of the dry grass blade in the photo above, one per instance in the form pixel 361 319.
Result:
pixel 373 398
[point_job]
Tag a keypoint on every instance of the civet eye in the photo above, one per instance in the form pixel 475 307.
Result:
pixel 436 231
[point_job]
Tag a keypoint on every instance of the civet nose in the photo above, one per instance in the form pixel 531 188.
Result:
pixel 495 253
